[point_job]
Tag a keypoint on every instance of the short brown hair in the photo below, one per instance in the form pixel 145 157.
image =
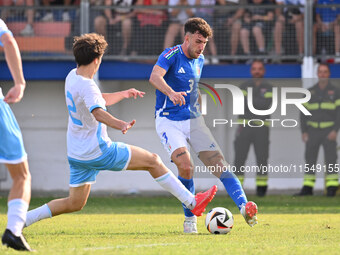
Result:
pixel 199 25
pixel 88 47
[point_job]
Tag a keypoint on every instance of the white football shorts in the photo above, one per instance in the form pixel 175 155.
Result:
pixel 193 132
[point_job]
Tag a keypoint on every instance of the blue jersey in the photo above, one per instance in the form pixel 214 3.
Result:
pixel 328 14
pixel 182 74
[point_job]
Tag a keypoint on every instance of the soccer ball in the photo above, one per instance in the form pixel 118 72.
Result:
pixel 219 221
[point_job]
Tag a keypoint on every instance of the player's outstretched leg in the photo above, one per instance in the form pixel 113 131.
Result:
pixel 231 184
pixel 144 160
pixel 236 192
pixel 74 202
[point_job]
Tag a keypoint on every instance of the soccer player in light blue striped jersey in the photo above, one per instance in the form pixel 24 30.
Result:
pixel 179 122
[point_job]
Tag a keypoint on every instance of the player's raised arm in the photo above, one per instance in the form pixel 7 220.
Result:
pixel 13 59
pixel 106 118
pixel 113 98
pixel 157 80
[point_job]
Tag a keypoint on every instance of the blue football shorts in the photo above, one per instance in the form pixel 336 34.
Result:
pixel 115 158
pixel 12 149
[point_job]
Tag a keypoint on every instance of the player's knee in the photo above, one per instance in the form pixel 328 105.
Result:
pixel 185 169
pixel 155 160
pixel 28 178
pixel 23 178
pixel 216 159
pixel 76 205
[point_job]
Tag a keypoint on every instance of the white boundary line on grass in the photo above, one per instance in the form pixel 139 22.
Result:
pixel 132 246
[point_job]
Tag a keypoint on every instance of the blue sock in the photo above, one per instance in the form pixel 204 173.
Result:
pixel 234 188
pixel 189 184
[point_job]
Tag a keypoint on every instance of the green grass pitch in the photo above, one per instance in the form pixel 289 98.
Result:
pixel 153 225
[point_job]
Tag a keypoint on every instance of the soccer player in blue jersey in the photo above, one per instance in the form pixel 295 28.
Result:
pixel 12 151
pixel 179 121
pixel 90 150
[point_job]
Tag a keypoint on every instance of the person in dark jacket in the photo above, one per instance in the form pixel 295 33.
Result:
pixel 254 129
pixel 321 128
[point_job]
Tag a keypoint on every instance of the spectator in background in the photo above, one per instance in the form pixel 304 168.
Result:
pixel 327 21
pixel 258 21
pixel 118 16
pixel 177 19
pixel 208 15
pixel 292 15
pixel 321 129
pixel 256 132
pixel 97 25
pixel 63 15
pixel 231 18
pixel 28 30
pixel 150 28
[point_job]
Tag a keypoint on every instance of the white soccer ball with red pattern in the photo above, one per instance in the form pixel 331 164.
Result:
pixel 219 221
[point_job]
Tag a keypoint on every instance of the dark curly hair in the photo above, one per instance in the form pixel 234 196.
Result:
pixel 199 25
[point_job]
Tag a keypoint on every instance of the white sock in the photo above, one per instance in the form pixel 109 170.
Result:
pixel 16 215
pixel 191 218
pixel 40 213
pixel 170 183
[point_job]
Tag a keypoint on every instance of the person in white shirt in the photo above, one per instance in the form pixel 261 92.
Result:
pixel 89 148
pixel 12 151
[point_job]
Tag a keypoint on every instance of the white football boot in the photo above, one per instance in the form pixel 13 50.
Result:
pixel 190 225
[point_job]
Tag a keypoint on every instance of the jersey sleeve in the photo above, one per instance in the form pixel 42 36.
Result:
pixel 92 96
pixel 3 29
pixel 167 58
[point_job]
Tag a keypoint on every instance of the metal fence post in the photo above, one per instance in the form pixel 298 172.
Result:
pixel 308 62
pixel 84 16
pixel 308 28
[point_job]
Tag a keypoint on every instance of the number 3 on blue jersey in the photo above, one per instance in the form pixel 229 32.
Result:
pixel 191 85
pixel 72 108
